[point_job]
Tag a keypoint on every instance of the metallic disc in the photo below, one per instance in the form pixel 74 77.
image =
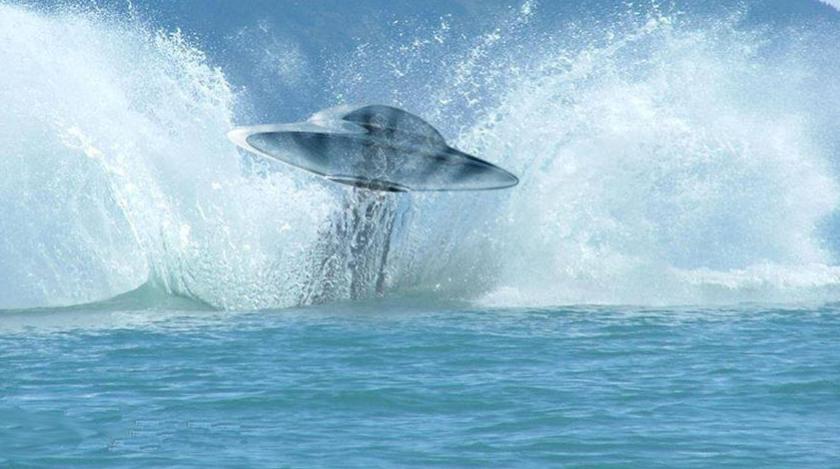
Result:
pixel 373 147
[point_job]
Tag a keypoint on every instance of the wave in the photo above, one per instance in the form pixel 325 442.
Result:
pixel 664 158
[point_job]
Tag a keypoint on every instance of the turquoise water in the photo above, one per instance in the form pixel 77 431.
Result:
pixel 389 384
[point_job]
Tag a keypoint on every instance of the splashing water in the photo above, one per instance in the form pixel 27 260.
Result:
pixel 666 164
pixel 116 171
pixel 834 3
pixel 661 161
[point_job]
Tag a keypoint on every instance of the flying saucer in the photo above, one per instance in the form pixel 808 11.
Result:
pixel 373 147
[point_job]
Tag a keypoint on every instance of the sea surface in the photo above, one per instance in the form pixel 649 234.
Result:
pixel 402 384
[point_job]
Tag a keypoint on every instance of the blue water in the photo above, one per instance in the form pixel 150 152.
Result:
pixel 167 300
pixel 389 384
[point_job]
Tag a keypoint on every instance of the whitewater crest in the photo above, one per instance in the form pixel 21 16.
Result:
pixel 661 161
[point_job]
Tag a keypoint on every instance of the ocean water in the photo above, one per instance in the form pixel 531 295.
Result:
pixel 395 384
pixel 661 289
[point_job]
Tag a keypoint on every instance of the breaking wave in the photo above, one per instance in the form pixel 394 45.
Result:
pixel 664 158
